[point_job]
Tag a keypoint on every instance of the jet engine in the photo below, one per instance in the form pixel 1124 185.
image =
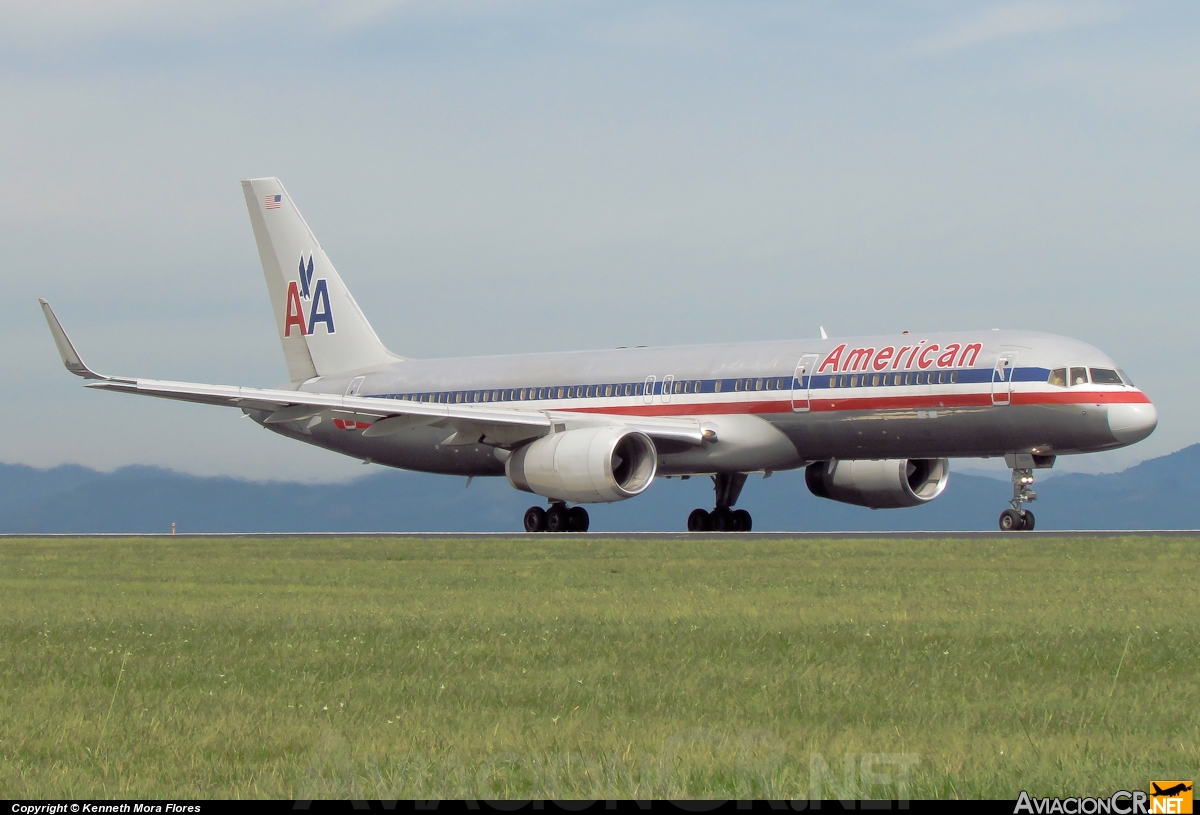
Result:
pixel 588 466
pixel 886 484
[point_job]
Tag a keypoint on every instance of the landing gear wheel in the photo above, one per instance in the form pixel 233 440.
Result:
pixel 724 521
pixel 556 518
pixel 577 519
pixel 1027 520
pixel 535 519
pixel 1011 521
pixel 744 522
pixel 700 521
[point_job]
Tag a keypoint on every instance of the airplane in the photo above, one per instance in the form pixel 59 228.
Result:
pixel 873 420
pixel 1170 792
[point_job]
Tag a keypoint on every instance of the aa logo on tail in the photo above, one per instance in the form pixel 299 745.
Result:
pixel 316 295
pixel 1171 797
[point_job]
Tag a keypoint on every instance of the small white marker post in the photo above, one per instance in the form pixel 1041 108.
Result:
pixel 172 527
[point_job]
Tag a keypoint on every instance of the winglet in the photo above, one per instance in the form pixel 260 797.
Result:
pixel 66 350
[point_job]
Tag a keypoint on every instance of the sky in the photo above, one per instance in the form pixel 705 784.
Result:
pixel 493 177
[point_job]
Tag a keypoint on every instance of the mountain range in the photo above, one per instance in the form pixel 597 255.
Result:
pixel 1161 493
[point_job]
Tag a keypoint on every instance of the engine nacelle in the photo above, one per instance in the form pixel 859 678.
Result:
pixel 587 466
pixel 886 484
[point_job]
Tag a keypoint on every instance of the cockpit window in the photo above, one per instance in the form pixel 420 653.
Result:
pixel 1058 377
pixel 1078 376
pixel 1105 376
pixel 1126 378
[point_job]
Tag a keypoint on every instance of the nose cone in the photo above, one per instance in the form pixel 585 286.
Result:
pixel 1130 423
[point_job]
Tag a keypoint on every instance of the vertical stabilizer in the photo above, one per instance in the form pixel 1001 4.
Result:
pixel 322 329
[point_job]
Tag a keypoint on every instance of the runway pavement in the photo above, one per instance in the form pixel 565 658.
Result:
pixel 971 535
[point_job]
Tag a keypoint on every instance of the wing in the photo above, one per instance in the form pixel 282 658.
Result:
pixel 503 427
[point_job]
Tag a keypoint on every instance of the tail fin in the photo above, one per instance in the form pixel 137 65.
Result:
pixel 322 329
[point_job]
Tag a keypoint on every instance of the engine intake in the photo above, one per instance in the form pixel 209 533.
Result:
pixel 884 484
pixel 585 466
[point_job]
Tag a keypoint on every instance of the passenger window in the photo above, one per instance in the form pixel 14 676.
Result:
pixel 854 381
pixel 953 377
pixel 679 387
pixel 1078 376
pixel 717 386
pixel 875 380
pixel 687 387
pixel 833 381
pixel 698 387
pixel 1105 376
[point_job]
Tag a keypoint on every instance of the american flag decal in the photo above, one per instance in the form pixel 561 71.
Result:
pixel 273 201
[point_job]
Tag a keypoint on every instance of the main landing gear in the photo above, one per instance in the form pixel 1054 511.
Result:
pixel 727 486
pixel 1018 519
pixel 558 518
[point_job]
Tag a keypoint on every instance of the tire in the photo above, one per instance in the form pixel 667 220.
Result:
pixel 1026 520
pixel 577 519
pixel 744 522
pixel 1011 521
pixel 723 520
pixel 556 518
pixel 699 521
pixel 535 519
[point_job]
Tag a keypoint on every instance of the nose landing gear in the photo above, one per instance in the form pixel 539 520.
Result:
pixel 559 518
pixel 1018 519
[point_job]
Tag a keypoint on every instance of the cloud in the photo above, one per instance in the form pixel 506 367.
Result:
pixel 33 25
pixel 1022 19
pixel 69 22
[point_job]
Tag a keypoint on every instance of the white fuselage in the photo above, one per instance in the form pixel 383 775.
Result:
pixel 774 405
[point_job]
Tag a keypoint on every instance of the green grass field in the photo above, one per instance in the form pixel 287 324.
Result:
pixel 575 667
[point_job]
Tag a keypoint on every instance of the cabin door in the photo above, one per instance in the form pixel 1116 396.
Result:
pixel 802 383
pixel 1002 376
